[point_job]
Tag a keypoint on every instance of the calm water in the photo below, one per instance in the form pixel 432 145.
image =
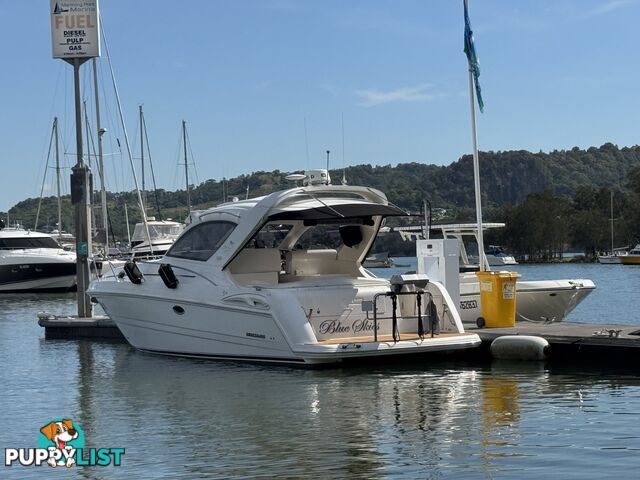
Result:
pixel 180 418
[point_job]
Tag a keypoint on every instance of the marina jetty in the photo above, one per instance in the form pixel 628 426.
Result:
pixel 569 342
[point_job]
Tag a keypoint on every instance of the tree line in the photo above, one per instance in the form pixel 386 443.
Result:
pixel 550 202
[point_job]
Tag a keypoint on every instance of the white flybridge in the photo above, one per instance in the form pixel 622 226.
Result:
pixel 280 279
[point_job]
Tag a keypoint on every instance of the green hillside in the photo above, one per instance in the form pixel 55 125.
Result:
pixel 517 187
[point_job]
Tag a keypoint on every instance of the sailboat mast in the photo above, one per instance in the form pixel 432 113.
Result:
pixel 144 193
pixel 126 219
pixel 55 128
pixel 101 132
pixel 89 143
pixel 611 222
pixel 186 165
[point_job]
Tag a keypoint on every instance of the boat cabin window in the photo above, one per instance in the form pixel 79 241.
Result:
pixel 319 237
pixel 269 236
pixel 28 242
pixel 201 241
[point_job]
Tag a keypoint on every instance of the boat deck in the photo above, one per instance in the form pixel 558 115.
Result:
pixel 389 338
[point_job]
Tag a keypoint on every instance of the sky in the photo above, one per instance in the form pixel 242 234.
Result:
pixel 274 84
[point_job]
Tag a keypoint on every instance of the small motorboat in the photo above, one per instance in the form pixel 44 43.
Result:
pixel 543 301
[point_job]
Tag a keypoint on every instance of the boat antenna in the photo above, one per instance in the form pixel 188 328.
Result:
pixel 328 152
pixel 427 218
pixel 344 178
pixel 306 141
pixel 126 219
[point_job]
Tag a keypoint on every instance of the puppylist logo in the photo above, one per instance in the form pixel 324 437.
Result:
pixel 61 444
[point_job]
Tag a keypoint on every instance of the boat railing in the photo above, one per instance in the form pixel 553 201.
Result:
pixel 428 317
pixel 121 274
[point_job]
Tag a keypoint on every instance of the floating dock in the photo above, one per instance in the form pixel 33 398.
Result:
pixel 569 342
pixel 70 327
pixel 579 342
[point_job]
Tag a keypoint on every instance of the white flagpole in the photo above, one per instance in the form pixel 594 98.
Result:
pixel 476 174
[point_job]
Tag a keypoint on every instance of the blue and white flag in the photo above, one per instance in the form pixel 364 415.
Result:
pixel 472 58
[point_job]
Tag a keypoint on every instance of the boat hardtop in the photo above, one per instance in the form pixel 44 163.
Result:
pixel 307 205
pixel 19 238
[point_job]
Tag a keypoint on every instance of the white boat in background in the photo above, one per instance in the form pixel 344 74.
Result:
pixel 497 256
pixel 544 301
pixel 280 279
pixel 34 262
pixel 633 257
pixel 614 258
pixel 162 233
pixel 378 260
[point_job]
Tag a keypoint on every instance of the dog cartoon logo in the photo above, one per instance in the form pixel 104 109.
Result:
pixel 61 444
pixel 63 439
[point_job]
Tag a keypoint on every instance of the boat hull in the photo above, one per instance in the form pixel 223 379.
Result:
pixel 542 301
pixel 609 259
pixel 266 325
pixel 24 274
pixel 630 260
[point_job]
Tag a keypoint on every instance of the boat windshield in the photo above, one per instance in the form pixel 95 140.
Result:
pixel 27 242
pixel 155 232
pixel 298 235
pixel 201 241
pixel 270 236
pixel 319 237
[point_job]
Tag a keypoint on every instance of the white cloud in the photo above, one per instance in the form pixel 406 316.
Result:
pixel 608 6
pixel 372 97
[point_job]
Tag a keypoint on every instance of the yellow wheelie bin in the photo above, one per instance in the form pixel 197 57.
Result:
pixel 497 299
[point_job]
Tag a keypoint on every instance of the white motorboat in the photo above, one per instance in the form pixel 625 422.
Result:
pixel 542 301
pixel 613 258
pixel 496 256
pixel 280 279
pixel 162 233
pixel 33 261
pixel 378 260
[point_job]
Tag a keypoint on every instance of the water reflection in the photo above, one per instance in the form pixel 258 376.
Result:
pixel 237 420
pixel 184 418
pixel 356 422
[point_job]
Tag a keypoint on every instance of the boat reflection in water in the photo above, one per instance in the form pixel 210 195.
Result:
pixel 306 423
pixel 186 418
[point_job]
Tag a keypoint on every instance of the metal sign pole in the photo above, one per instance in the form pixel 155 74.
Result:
pixel 80 196
pixel 75 38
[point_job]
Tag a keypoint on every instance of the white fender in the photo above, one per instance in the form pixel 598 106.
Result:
pixel 520 347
